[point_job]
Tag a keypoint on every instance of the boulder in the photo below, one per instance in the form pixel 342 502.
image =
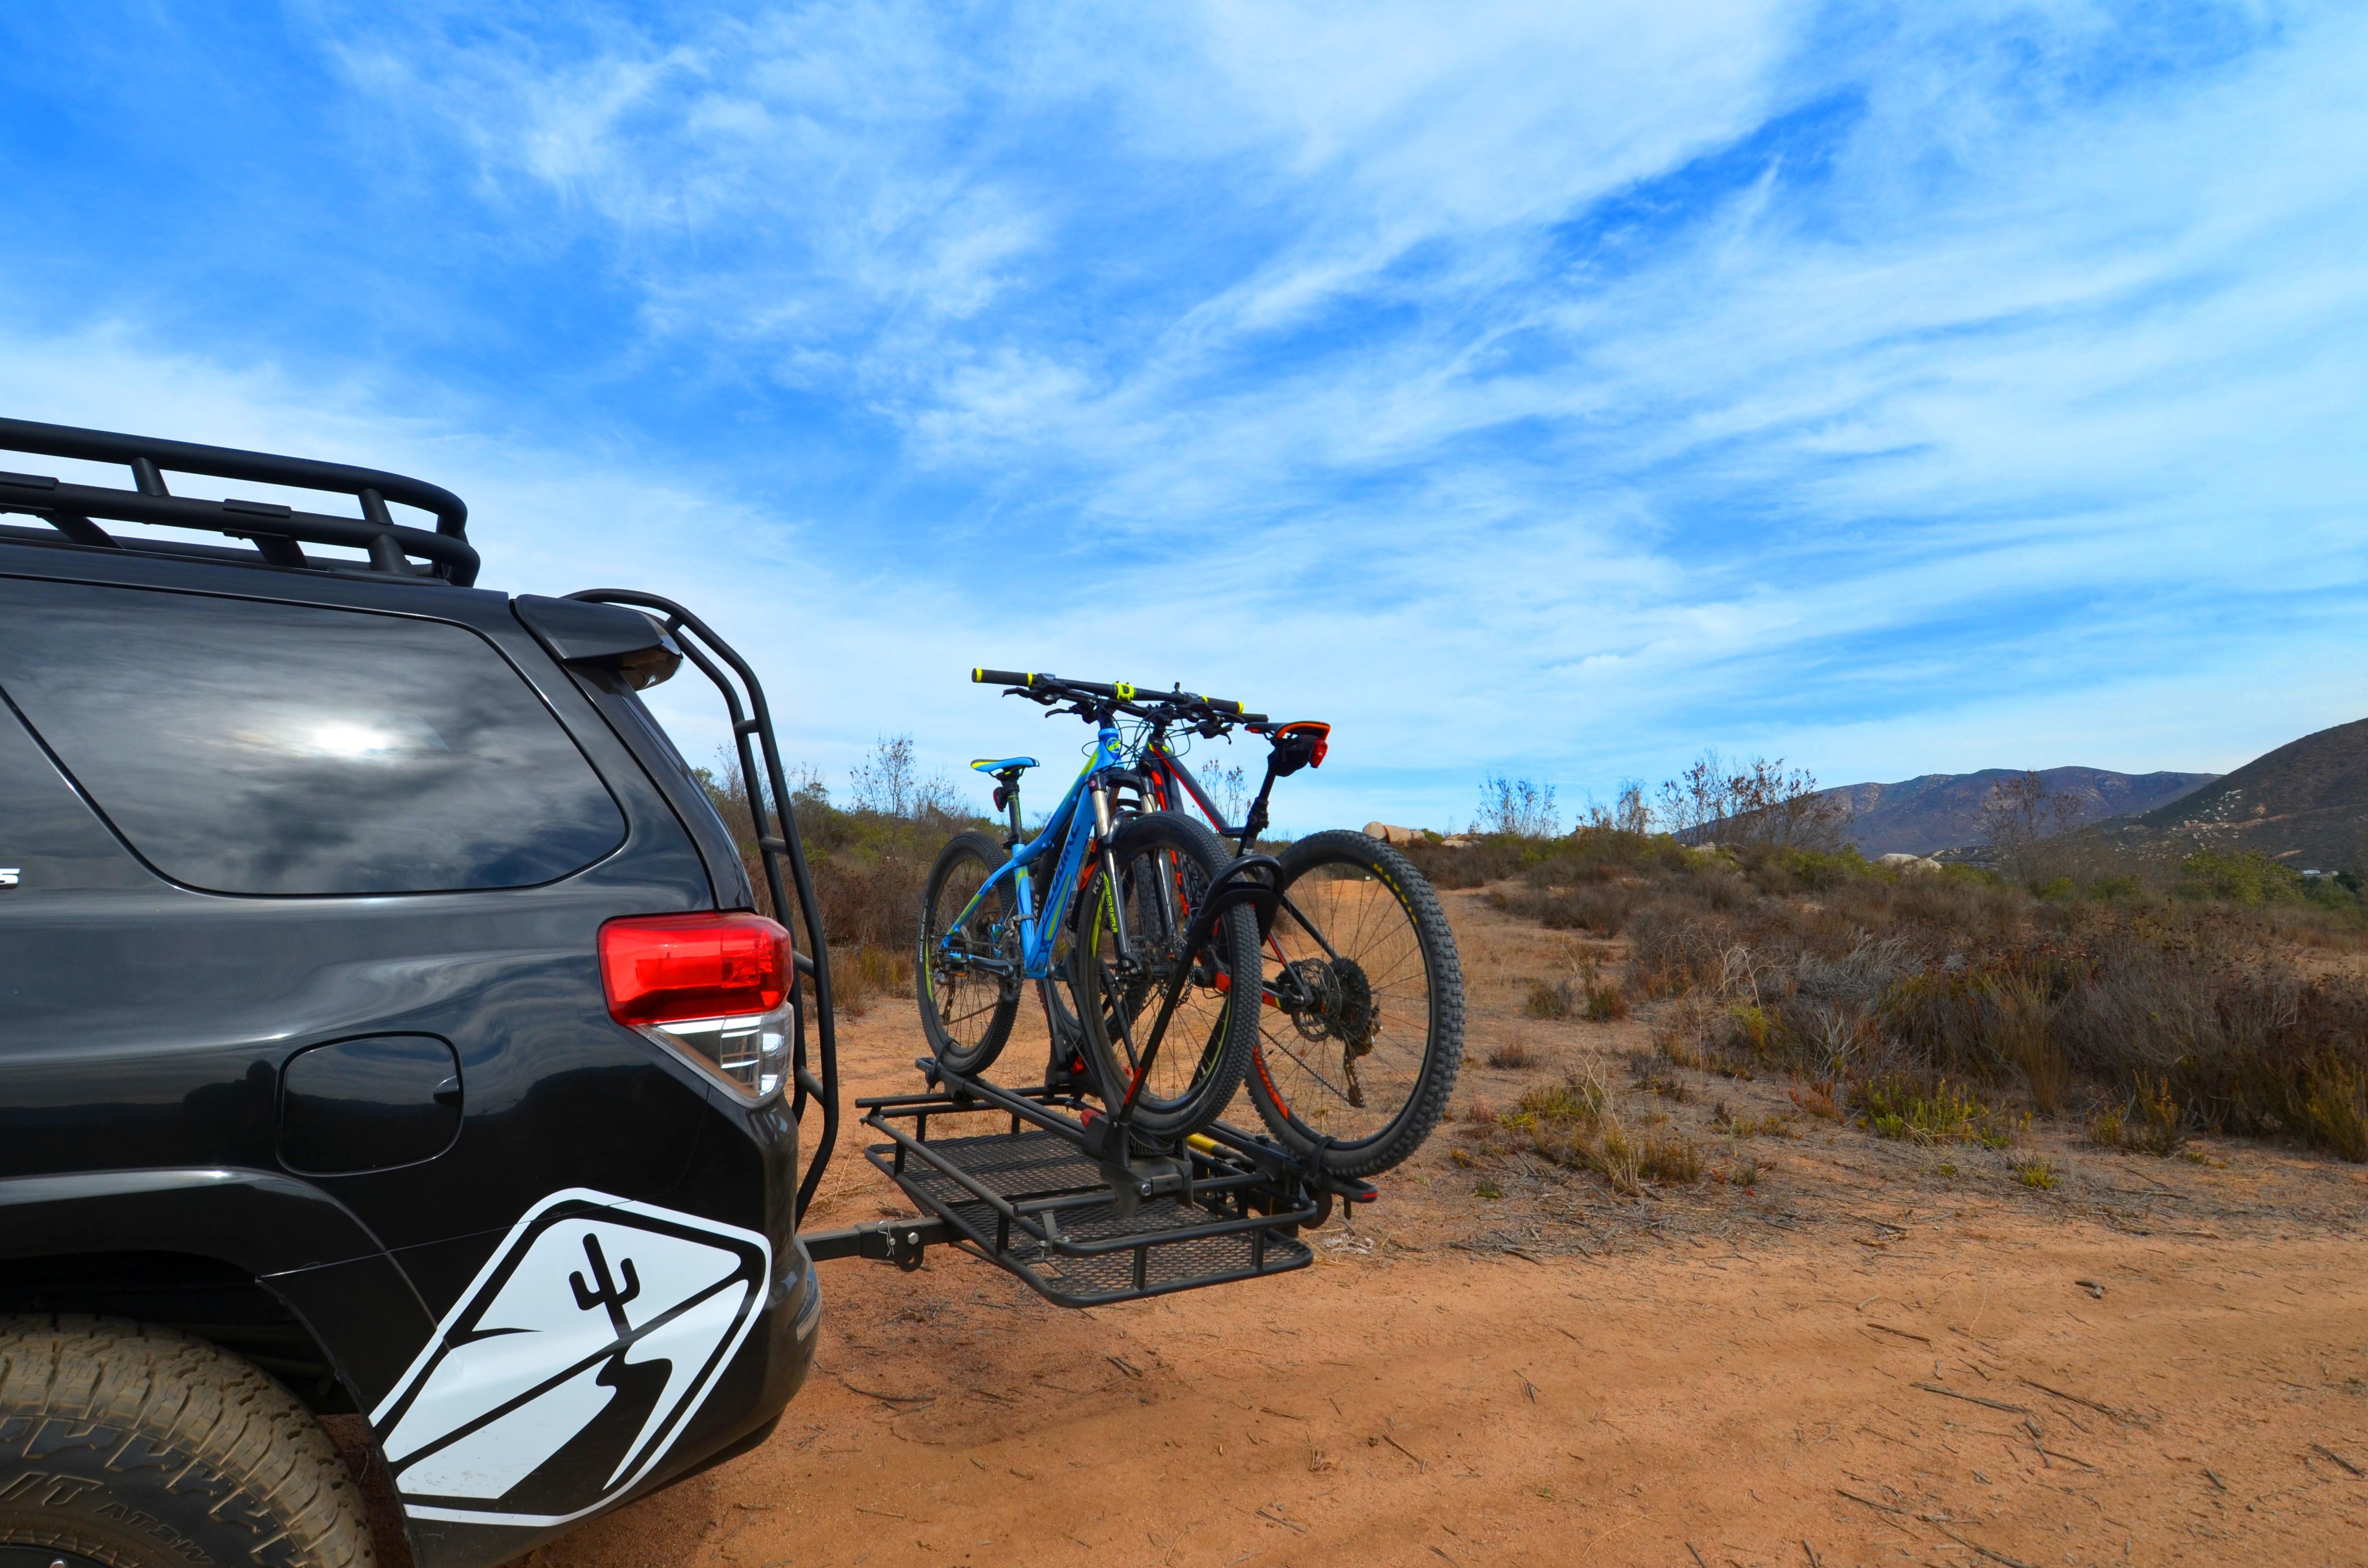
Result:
pixel 1390 833
pixel 1905 864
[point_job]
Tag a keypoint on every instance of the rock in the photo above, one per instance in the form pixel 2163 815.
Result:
pixel 1905 864
pixel 1388 833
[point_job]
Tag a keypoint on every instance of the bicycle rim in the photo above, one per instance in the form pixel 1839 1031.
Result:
pixel 1197 1068
pixel 1346 1036
pixel 967 1011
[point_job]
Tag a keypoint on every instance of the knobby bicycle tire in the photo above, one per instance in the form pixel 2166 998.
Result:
pixel 1362 1030
pixel 966 1015
pixel 1166 864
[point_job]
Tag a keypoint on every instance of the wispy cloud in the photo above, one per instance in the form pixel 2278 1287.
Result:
pixel 1548 387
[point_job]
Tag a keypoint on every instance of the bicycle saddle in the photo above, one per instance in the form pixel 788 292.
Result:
pixel 1003 764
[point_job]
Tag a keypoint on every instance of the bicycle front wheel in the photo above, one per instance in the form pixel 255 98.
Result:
pixel 1362 1035
pixel 1131 953
pixel 968 968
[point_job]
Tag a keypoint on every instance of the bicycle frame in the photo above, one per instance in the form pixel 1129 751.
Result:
pixel 1166 770
pixel 1073 831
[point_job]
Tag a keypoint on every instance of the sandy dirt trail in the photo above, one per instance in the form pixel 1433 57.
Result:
pixel 1854 1362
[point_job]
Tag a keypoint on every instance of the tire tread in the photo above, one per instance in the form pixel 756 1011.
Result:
pixel 154 1398
pixel 1442 1052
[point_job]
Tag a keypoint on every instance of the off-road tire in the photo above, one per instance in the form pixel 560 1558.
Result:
pixel 1441 1054
pixel 1210 1031
pixel 138 1447
pixel 953 1039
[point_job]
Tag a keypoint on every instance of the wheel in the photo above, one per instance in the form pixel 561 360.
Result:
pixel 1165 865
pixel 140 1447
pixel 1362 1033
pixel 966 1007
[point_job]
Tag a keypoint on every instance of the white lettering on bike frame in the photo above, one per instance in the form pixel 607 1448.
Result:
pixel 566 1369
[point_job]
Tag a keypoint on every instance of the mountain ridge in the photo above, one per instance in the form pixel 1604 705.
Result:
pixel 2303 803
pixel 1933 812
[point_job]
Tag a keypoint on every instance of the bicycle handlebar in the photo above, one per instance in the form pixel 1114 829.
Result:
pixel 1169 705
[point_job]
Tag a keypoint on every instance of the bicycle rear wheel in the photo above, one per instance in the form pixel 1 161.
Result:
pixel 1362 1035
pixel 1165 866
pixel 967 1005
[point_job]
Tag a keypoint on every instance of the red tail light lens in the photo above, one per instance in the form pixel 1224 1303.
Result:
pixel 660 968
pixel 714 989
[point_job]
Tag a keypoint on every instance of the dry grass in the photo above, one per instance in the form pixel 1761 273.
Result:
pixel 1513 1056
pixel 2035 1173
pixel 1575 1124
pixel 2245 1018
pixel 2151 1122
pixel 1549 999
pixel 1931 1111
pixel 862 975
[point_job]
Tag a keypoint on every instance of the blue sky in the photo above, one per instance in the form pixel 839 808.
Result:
pixel 1554 390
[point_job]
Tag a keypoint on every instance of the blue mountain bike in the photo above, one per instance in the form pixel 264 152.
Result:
pixel 1115 913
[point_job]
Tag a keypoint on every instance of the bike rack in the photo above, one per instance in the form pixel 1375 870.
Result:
pixel 1080 1205
pixel 1032 1198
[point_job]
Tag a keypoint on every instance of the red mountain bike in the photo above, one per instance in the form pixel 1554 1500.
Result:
pixel 1362 1011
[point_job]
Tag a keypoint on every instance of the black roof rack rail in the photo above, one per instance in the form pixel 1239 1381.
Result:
pixel 277 532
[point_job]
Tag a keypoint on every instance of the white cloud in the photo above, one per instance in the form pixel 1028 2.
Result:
pixel 1558 387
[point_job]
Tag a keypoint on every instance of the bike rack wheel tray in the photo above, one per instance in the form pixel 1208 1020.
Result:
pixel 1031 1198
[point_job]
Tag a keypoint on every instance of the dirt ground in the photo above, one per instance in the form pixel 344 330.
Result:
pixel 1876 1353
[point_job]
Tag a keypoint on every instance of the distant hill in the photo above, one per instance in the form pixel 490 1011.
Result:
pixel 2305 803
pixel 1943 811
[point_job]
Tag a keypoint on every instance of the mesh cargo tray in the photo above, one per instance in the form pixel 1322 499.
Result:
pixel 1009 1174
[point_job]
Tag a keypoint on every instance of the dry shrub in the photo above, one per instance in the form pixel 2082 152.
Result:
pixel 869 902
pixel 1734 1126
pixel 2035 1173
pixel 860 976
pixel 1670 1159
pixel 1550 999
pixel 1661 1083
pixel 1601 909
pixel 1677 952
pixel 1605 1003
pixel 2107 1128
pixel 1679 1042
pixel 1928 1109
pixel 1817 1099
pixel 1513 1056
pixel 1789 958
pixel 2325 1102
pixel 1575 1124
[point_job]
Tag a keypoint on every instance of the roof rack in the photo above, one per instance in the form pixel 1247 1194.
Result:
pixel 277 532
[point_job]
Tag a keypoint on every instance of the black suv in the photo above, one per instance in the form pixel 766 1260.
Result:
pixel 387 1029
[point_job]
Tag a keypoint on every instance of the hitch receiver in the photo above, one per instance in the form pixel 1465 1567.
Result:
pixel 900 1242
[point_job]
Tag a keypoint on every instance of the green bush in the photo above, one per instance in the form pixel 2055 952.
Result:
pixel 2247 877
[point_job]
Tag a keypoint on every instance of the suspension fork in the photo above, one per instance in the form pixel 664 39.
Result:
pixel 1099 790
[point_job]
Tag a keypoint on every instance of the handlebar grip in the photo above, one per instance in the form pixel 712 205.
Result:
pixel 1229 709
pixel 1002 677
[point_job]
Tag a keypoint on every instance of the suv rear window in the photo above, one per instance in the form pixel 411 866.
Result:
pixel 246 746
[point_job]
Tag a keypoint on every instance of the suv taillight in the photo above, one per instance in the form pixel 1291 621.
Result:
pixel 714 989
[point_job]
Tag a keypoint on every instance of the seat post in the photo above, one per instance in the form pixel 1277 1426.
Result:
pixel 1009 796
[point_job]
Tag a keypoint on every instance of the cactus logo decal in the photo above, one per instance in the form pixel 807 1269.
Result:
pixel 572 1362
